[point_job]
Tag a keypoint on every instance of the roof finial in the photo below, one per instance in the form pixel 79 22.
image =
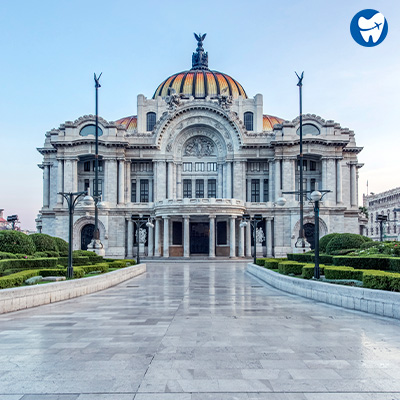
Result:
pixel 200 58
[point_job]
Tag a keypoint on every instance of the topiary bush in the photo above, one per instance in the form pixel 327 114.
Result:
pixel 16 242
pixel 7 256
pixel 372 262
pixel 44 242
pixel 290 267
pixel 343 273
pixel 344 241
pixel 30 263
pixel 62 246
pixel 308 271
pixel 323 242
pixel 16 279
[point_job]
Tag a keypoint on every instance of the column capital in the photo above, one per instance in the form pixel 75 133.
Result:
pixel 212 216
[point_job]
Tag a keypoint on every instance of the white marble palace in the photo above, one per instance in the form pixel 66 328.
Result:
pixel 197 156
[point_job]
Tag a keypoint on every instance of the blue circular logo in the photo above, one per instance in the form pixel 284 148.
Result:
pixel 369 28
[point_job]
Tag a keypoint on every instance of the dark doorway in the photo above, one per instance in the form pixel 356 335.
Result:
pixel 199 243
pixel 86 236
pixel 309 233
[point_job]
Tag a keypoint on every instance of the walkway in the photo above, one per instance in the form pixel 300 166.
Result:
pixel 197 331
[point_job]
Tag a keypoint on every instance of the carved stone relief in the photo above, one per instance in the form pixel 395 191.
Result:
pixel 199 146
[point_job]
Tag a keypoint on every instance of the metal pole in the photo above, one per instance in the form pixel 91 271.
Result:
pixel 381 230
pixel 96 165
pixel 137 242
pixel 316 267
pixel 70 270
pixel 255 242
pixel 301 233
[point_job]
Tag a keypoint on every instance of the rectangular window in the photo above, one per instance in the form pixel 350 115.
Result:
pixel 86 166
pixel 221 233
pixel 100 163
pixel 134 167
pixel 177 233
pixel 313 166
pixel 133 191
pixel 304 165
pixel 199 188
pixel 254 166
pixel 100 187
pixel 187 188
pixel 212 166
pixel 212 189
pixel 265 166
pixel 199 166
pixel 187 166
pixel 255 190
pixel 312 185
pixel 86 185
pixel 266 190
pixel 144 190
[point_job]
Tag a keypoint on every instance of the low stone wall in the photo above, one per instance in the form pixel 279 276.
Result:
pixel 372 301
pixel 19 298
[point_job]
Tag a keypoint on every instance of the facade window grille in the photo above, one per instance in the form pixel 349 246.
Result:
pixel 312 185
pixel 199 188
pixel 199 166
pixel 255 190
pixel 144 190
pixel 265 166
pixel 212 166
pixel 248 120
pixel 133 191
pixel 304 165
pixel 266 190
pixel 150 121
pixel 187 166
pixel 86 166
pixel 100 187
pixel 212 189
pixel 187 188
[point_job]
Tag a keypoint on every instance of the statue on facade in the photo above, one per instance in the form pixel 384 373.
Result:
pixel 173 100
pixel 142 235
pixel 260 237
pixel 199 147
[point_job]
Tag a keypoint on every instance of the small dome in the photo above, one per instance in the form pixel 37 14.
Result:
pixel 130 123
pixel 269 121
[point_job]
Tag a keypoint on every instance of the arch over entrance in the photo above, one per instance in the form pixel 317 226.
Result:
pixel 86 235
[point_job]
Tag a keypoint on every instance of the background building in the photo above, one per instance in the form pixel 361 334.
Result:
pixel 387 204
pixel 197 156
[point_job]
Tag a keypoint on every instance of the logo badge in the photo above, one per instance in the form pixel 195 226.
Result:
pixel 369 28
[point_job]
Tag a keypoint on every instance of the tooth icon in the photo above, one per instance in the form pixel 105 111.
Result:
pixel 372 27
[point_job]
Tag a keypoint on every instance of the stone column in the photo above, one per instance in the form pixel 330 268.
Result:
pixel 157 252
pixel 249 189
pixel 270 181
pixel 150 242
pixel 179 184
pixel 166 237
pixel 277 178
pixel 269 237
pixel 46 185
pixel 331 180
pixel 128 182
pixel 186 236
pixel 162 180
pixel 248 239
pixel 74 175
pixel 130 239
pixel 229 180
pixel 353 185
pixel 171 179
pixel 121 182
pixel 339 198
pixel 324 174
pixel 212 236
pixel 238 184
pixel 241 241
pixel 60 181
pixel 155 181
pixel 220 182
pixel 232 238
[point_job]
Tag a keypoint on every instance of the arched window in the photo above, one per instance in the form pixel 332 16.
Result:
pixel 150 121
pixel 90 130
pixel 309 129
pixel 248 120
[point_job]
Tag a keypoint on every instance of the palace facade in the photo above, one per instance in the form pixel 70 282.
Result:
pixel 196 157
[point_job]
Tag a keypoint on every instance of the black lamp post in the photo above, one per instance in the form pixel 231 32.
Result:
pixel 72 198
pixel 253 222
pixel 13 219
pixel 139 222
pixel 381 218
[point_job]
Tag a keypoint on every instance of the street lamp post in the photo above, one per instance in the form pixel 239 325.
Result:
pixel 72 198
pixel 13 219
pixel 139 222
pixel 381 218
pixel 253 223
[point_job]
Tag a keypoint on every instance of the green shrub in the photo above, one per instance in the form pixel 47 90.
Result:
pixel 75 261
pixel 44 242
pixel 308 270
pixel 343 252
pixel 344 241
pixel 7 256
pixel 40 254
pixel 272 263
pixel 394 264
pixel 343 273
pixel 371 262
pixel 377 280
pixel 290 267
pixel 53 272
pixel 16 242
pixel 28 263
pixel 103 268
pixel 85 253
pixel 16 279
pixel 370 244
pixel 127 263
pixel 260 261
pixel 301 257
pixel 62 246
pixel 323 242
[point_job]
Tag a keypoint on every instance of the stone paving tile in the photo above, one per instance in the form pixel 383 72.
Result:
pixel 197 331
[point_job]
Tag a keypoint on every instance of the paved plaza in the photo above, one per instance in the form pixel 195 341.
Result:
pixel 197 331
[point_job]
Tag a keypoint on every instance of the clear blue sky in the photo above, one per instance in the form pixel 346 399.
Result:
pixel 50 50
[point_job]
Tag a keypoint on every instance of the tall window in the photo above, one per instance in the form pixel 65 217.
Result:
pixel 255 190
pixel 86 184
pixel 221 233
pixel 187 188
pixel 86 166
pixel 312 185
pixel 150 121
pixel 212 166
pixel 144 190
pixel 199 166
pixel 133 191
pixel 313 166
pixel 176 233
pixel 199 188
pixel 212 188
pixel 100 187
pixel 248 120
pixel 187 166
pixel 266 190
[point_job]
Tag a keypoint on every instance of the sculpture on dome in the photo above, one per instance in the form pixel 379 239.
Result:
pixel 200 58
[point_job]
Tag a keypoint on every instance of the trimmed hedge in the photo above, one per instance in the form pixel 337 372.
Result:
pixel 308 271
pixel 44 242
pixel 310 257
pixel 377 263
pixel 344 241
pixel 16 279
pixel 394 264
pixel 343 273
pixel 7 256
pixel 290 267
pixel 381 280
pixel 103 268
pixel 261 261
pixel 124 263
pixel 29 263
pixel 62 246
pixel 75 261
pixel 16 242
pixel 272 263
pixel 323 242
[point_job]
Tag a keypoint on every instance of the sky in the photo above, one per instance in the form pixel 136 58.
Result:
pixel 50 50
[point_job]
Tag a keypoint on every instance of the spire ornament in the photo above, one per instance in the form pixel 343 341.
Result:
pixel 200 58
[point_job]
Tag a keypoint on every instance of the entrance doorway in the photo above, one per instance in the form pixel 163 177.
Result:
pixel 199 242
pixel 86 235
pixel 309 233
